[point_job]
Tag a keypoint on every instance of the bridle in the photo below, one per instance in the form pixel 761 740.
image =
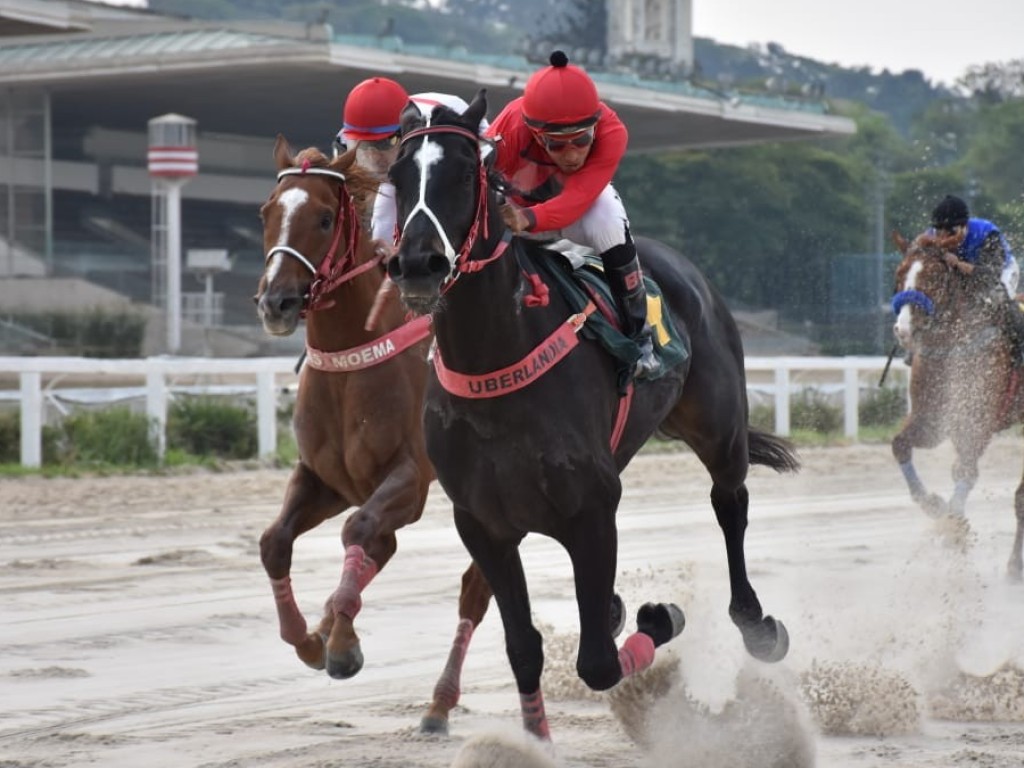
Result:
pixel 934 313
pixel 461 263
pixel 334 270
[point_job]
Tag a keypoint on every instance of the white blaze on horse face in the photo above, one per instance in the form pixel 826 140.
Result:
pixel 903 325
pixel 428 155
pixel 290 200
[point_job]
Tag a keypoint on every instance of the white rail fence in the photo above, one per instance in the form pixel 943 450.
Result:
pixel 38 378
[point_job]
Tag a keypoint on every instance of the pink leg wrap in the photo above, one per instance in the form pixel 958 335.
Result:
pixel 289 617
pixel 356 572
pixel 534 719
pixel 636 654
pixel 447 690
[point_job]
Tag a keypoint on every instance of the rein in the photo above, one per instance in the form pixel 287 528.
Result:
pixel 334 270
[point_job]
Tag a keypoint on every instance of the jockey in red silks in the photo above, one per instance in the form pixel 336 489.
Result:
pixel 559 146
pixel 984 253
pixel 372 124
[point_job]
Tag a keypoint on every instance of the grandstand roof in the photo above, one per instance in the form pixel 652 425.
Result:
pixel 261 79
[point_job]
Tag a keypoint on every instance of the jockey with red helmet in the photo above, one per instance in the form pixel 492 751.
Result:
pixel 559 145
pixel 372 123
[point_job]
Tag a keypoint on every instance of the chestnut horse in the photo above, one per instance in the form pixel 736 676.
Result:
pixel 963 384
pixel 528 429
pixel 358 412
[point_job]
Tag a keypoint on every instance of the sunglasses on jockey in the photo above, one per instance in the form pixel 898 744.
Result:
pixel 559 142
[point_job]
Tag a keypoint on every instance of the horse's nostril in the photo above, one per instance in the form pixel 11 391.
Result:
pixel 438 265
pixel 292 304
pixel 394 268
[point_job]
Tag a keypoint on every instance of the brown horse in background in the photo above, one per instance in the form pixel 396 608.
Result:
pixel 963 383
pixel 358 412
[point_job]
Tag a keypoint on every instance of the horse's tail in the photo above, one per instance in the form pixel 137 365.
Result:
pixel 772 451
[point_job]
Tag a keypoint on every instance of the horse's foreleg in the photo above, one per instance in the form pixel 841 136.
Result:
pixel 502 567
pixel 1015 568
pixel 473 602
pixel 916 433
pixel 368 537
pixel 308 502
pixel 592 545
pixel 765 637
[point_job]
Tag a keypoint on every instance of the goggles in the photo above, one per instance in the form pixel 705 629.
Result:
pixel 554 142
pixel 381 145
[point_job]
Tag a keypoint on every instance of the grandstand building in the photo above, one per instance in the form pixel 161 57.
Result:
pixel 79 82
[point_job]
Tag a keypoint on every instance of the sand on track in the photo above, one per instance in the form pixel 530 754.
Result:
pixel 139 629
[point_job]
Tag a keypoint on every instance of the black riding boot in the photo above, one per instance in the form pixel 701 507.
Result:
pixel 627 283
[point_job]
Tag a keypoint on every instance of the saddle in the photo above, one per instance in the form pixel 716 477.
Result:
pixel 577 274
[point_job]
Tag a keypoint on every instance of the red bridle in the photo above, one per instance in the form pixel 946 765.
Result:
pixel 333 270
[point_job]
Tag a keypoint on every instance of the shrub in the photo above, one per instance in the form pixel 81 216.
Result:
pixel 203 427
pixel 762 417
pixel 883 408
pixel 111 436
pixel 812 411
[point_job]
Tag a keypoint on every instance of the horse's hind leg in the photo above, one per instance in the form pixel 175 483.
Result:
pixel 765 638
pixel 473 602
pixel 502 566
pixel 307 503
pixel 1015 568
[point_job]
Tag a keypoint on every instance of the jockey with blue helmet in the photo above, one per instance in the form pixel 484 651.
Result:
pixel 559 145
pixel 984 253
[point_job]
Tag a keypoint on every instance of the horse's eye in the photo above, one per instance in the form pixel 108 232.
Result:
pixel 325 222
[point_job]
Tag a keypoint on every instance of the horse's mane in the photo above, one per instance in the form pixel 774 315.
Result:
pixel 361 184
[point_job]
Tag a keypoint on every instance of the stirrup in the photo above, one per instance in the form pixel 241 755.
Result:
pixel 648 364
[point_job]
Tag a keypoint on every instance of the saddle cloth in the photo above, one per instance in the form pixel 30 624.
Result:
pixel 577 273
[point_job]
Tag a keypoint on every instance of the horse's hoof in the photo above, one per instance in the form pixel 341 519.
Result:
pixel 767 640
pixel 434 725
pixel 934 505
pixel 346 665
pixel 313 658
pixel 660 621
pixel 1014 573
pixel 618 617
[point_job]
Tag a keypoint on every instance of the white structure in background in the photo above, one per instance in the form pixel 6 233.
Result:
pixel 206 308
pixel 173 160
pixel 659 28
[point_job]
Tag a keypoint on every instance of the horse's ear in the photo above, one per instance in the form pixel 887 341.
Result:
pixel 283 156
pixel 411 118
pixel 901 241
pixel 477 109
pixel 343 162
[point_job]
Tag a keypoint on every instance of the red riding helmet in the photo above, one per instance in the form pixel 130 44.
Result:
pixel 560 96
pixel 373 110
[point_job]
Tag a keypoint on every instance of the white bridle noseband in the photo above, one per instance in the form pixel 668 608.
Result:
pixel 339 177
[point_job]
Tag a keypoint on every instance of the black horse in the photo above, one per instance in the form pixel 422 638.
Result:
pixel 526 437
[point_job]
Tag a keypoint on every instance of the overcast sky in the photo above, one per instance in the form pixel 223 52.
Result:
pixel 939 37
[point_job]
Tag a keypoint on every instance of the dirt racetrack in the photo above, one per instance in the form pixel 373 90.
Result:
pixel 138 629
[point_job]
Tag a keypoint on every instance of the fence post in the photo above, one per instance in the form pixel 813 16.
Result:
pixel 31 420
pixel 851 401
pixel 266 414
pixel 782 400
pixel 156 405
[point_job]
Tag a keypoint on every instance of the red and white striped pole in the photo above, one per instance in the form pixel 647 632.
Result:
pixel 173 159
